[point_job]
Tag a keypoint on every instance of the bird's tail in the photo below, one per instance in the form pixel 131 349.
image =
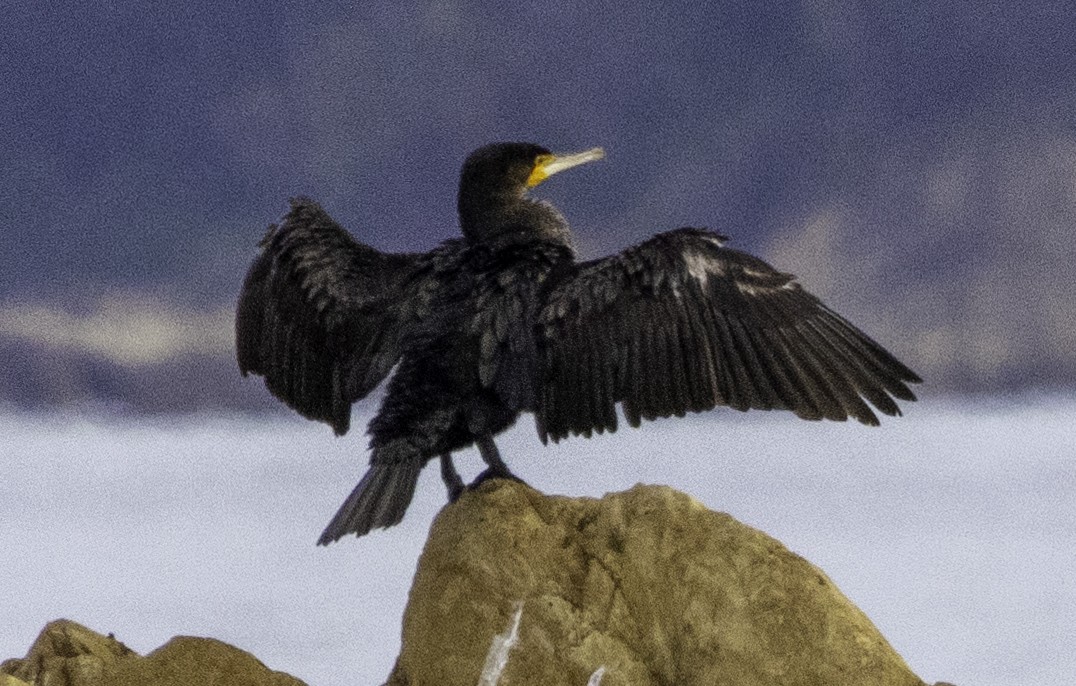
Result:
pixel 379 501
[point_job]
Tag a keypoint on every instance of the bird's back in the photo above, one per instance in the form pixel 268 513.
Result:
pixel 482 317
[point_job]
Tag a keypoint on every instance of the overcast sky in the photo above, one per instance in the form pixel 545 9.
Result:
pixel 914 163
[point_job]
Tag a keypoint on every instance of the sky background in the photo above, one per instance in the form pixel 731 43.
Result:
pixel 914 164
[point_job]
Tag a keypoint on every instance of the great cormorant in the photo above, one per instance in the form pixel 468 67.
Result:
pixel 504 320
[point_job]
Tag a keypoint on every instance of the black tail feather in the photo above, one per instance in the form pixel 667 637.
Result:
pixel 380 500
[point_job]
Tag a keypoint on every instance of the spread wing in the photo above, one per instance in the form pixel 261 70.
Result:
pixel 680 323
pixel 321 315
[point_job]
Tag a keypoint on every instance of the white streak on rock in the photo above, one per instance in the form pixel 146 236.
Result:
pixel 497 657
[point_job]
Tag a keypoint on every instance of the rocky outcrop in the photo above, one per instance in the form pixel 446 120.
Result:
pixel 647 584
pixel 642 588
pixel 69 654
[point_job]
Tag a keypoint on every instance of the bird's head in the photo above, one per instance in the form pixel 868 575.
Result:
pixel 495 180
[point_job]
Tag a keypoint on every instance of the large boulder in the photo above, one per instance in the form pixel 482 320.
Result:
pixel 647 584
pixel 69 654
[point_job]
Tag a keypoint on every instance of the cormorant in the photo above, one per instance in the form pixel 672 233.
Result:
pixel 505 320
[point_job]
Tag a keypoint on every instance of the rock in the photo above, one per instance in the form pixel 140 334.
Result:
pixel 69 654
pixel 647 583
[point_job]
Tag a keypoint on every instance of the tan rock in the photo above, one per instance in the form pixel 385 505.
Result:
pixel 647 583
pixel 69 654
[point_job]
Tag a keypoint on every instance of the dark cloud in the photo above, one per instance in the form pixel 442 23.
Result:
pixel 914 161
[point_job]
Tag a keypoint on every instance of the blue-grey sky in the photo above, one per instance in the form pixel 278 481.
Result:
pixel 914 163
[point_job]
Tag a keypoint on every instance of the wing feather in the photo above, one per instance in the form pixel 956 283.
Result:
pixel 320 315
pixel 630 382
pixel 786 393
pixel 681 323
pixel 758 371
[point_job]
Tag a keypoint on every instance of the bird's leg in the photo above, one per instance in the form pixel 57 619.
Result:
pixel 497 469
pixel 492 457
pixel 451 477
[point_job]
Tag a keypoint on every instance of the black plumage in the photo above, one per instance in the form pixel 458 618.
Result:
pixel 504 320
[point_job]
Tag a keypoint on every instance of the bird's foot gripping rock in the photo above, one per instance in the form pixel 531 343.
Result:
pixel 495 472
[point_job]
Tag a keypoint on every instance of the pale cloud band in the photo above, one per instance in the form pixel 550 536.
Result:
pixel 126 330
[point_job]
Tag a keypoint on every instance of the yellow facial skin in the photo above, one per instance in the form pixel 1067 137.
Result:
pixel 548 165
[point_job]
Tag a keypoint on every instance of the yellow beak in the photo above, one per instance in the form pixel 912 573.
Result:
pixel 548 165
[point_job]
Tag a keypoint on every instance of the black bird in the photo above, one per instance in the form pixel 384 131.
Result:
pixel 504 320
